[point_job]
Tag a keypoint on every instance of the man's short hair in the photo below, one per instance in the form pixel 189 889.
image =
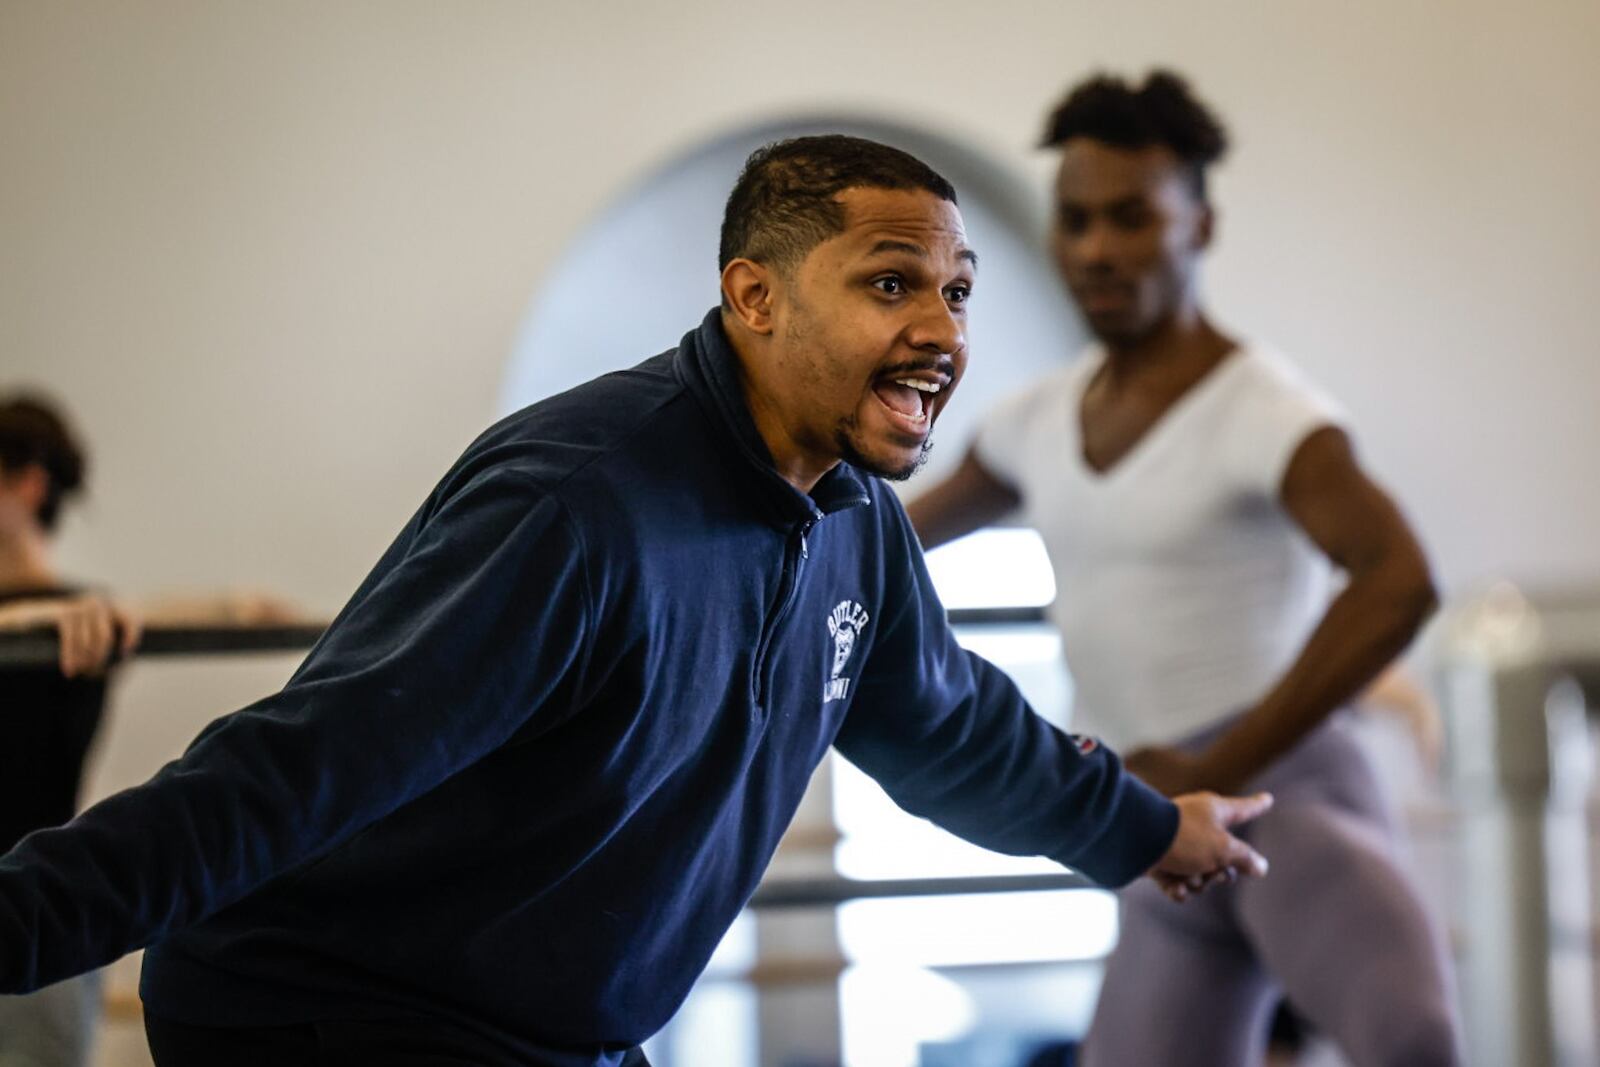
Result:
pixel 1162 111
pixel 33 432
pixel 784 205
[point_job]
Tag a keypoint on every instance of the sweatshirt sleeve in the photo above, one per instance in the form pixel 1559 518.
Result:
pixel 950 738
pixel 474 622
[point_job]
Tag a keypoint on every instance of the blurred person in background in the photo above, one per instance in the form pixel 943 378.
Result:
pixel 1194 492
pixel 49 714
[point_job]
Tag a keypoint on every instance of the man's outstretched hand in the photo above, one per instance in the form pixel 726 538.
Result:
pixel 1204 852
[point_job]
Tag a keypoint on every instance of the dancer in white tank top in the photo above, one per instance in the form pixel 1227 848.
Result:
pixel 1195 494
pixel 1186 526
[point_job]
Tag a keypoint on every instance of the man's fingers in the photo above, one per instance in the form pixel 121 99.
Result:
pixel 1232 811
pixel 72 628
pixel 64 645
pixel 1204 852
pixel 1179 888
pixel 102 634
pixel 130 628
pixel 1243 859
pixel 91 631
pixel 1172 885
pixel 94 634
pixel 88 632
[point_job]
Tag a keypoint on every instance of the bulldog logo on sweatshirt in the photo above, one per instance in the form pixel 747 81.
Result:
pixel 845 623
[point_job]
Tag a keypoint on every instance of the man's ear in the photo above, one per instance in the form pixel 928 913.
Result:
pixel 747 292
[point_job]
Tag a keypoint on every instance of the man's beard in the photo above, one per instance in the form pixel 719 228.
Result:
pixel 853 456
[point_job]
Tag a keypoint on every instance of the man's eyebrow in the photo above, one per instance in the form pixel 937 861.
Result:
pixel 891 245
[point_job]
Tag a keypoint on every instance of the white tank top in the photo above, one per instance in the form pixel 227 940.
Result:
pixel 1183 589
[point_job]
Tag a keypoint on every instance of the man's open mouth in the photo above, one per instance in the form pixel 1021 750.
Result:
pixel 909 396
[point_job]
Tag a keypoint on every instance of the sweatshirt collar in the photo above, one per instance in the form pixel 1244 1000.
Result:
pixel 709 366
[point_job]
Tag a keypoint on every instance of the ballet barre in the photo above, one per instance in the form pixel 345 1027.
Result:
pixel 39 647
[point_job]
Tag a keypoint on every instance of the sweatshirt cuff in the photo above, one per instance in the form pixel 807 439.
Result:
pixel 1138 832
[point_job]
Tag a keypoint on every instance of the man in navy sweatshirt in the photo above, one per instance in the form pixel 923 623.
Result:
pixel 515 795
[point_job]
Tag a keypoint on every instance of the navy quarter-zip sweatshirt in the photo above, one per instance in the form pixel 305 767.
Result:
pixel 538 763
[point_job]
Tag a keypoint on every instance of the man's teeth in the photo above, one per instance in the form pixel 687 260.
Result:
pixel 918 384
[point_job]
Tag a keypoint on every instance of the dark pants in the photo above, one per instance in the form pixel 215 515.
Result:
pixel 318 1045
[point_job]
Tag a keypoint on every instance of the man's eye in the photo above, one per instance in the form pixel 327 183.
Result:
pixel 958 294
pixel 891 285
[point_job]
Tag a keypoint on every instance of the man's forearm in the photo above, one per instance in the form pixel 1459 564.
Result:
pixel 1365 628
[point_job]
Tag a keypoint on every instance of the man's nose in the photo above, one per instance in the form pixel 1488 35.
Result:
pixel 1093 246
pixel 939 327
